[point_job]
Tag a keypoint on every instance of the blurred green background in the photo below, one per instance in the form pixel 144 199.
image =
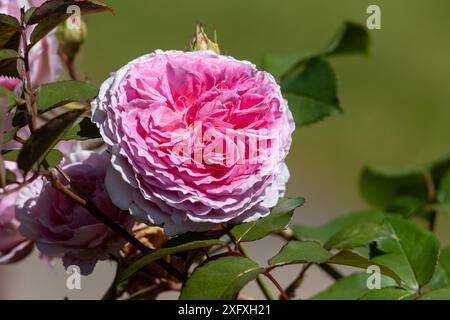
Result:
pixel 395 100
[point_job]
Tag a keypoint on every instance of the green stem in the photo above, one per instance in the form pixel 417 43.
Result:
pixel 290 289
pixel 331 271
pixel 260 280
pixel 264 287
pixel 289 235
pixel 431 191
pixel 26 78
pixel 283 294
pixel 432 220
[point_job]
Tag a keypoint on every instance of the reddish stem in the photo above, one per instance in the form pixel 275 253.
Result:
pixel 283 293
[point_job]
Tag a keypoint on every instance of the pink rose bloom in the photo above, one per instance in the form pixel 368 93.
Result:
pixel 45 64
pixel 10 83
pixel 64 229
pixel 13 246
pixel 162 112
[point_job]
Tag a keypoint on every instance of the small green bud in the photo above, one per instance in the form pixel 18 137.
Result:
pixel 201 41
pixel 71 37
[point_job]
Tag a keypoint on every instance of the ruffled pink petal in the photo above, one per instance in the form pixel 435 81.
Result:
pixel 196 139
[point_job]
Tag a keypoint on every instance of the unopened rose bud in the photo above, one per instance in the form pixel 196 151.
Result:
pixel 71 38
pixel 202 42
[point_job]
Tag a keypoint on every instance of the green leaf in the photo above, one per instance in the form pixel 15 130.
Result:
pixel 10 155
pixel 46 26
pixel 312 92
pixel 441 294
pixel 9 32
pixel 352 259
pixel 280 65
pixel 10 177
pixel 286 205
pixel 388 293
pixel 278 219
pixel 9 135
pixel 412 255
pixel 442 207
pixel 8 63
pixel 439 167
pixel 53 157
pixel 10 97
pixel 59 7
pixel 406 206
pixel 56 94
pixel 443 194
pixel 29 13
pixel 300 252
pixel 358 235
pixel 220 279
pixel 191 237
pixel 308 81
pixel 147 258
pixel 325 232
pixel 381 186
pixel 441 277
pixel 350 38
pixel 83 130
pixel 350 288
pixel 50 14
pixel 41 141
